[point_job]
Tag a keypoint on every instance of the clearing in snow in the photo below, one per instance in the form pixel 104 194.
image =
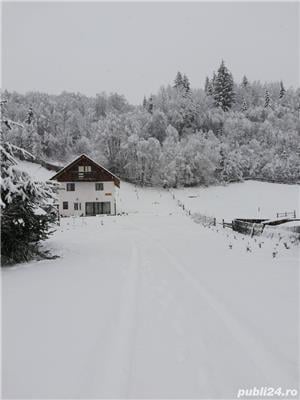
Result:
pixel 153 305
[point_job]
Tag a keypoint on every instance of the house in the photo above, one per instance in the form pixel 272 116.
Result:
pixel 86 188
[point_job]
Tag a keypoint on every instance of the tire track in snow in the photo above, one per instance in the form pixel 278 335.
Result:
pixel 166 294
pixel 119 366
pixel 265 362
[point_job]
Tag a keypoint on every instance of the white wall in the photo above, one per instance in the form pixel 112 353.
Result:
pixel 85 192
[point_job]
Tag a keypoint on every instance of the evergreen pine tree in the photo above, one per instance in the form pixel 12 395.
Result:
pixel 267 99
pixel 29 116
pixel 178 82
pixel 244 105
pixel 150 105
pixel 210 89
pixel 282 90
pixel 213 81
pixel 25 221
pixel 223 88
pixel 186 84
pixel 245 81
pixel 206 85
pixel 145 102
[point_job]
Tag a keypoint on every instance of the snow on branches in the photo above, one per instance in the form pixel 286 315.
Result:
pixel 18 184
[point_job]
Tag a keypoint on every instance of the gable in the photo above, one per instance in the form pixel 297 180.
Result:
pixel 84 169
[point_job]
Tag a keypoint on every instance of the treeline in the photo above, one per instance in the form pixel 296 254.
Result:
pixel 224 132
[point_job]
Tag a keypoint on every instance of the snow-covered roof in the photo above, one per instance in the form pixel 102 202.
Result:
pixel 280 221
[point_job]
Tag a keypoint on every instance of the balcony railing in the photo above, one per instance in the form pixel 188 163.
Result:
pixel 84 176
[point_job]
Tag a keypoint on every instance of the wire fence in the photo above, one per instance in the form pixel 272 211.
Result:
pixel 199 218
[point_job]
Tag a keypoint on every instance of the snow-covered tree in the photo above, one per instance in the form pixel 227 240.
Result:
pixel 223 88
pixel 29 116
pixel 267 99
pixel 245 82
pixel 26 207
pixel 148 155
pixel 186 83
pixel 206 85
pixel 244 105
pixel 66 124
pixel 171 151
pixel 145 102
pixel 150 105
pixel 110 137
pixel 178 81
pixel 200 155
pixel 182 83
pixel 282 90
pixel 157 126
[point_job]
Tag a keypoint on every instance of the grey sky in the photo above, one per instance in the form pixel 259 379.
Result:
pixel 134 48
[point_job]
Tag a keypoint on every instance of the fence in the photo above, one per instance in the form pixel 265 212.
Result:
pixel 291 214
pixel 196 217
pixel 226 224
pixel 245 226
pixel 248 226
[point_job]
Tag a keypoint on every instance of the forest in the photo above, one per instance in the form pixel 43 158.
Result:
pixel 180 136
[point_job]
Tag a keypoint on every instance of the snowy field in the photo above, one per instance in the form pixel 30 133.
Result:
pixel 152 305
pixel 249 199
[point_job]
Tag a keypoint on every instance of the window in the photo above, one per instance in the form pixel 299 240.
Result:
pixel 70 187
pixel 96 208
pixel 77 206
pixel 84 168
pixel 99 186
pixel 65 205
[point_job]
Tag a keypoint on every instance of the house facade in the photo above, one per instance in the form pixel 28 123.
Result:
pixel 86 188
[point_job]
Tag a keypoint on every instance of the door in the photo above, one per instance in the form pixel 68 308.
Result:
pixel 96 208
pixel 89 209
pixel 106 207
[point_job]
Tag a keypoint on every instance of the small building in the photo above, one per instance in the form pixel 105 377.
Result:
pixel 86 188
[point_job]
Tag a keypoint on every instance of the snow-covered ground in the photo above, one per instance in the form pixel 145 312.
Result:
pixel 249 199
pixel 36 171
pixel 152 305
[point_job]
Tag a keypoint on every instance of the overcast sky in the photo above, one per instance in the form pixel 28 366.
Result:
pixel 134 48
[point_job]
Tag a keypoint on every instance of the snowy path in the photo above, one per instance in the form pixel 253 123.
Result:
pixel 149 305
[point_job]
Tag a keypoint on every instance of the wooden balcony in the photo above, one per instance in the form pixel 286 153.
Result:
pixel 83 176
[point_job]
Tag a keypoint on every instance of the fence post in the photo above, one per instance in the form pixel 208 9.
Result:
pixel 215 222
pixel 295 214
pixel 223 223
